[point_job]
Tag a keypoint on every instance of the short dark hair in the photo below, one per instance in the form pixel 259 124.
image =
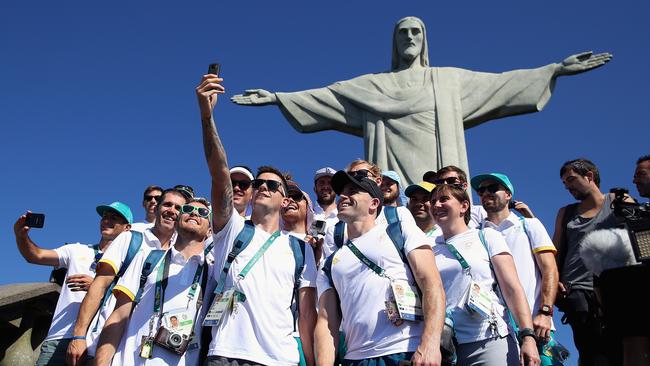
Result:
pixel 462 176
pixel 150 188
pixel 642 159
pixel 459 193
pixel 581 166
pixel 276 171
pixel 174 191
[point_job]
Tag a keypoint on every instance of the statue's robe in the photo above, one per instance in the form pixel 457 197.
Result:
pixel 417 126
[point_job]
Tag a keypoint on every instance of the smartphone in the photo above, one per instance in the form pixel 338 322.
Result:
pixel 214 69
pixel 317 228
pixel 35 220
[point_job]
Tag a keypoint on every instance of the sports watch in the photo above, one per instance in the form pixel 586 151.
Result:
pixel 546 310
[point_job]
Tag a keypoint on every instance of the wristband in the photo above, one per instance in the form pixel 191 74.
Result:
pixel 78 337
pixel 525 332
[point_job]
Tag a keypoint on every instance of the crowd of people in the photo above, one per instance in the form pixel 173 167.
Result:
pixel 263 275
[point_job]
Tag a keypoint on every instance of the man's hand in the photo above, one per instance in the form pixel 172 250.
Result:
pixel 542 326
pixel 317 245
pixel 19 227
pixel 524 210
pixel 76 355
pixel 207 93
pixel 426 356
pixel 561 289
pixel 256 97
pixel 529 355
pixel 79 282
pixel 585 61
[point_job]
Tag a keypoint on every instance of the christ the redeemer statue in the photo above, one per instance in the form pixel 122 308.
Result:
pixel 412 118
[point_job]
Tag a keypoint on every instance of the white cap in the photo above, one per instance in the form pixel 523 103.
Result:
pixel 243 170
pixel 322 172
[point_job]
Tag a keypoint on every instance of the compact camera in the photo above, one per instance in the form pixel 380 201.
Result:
pixel 317 229
pixel 171 340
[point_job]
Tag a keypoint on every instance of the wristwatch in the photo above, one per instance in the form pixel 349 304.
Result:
pixel 546 310
pixel 525 332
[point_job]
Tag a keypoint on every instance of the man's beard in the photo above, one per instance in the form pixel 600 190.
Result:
pixel 391 198
pixel 325 202
pixel 497 205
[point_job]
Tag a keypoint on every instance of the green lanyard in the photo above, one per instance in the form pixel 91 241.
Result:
pixel 197 274
pixel 372 265
pixel 258 255
pixel 459 258
pixel 161 282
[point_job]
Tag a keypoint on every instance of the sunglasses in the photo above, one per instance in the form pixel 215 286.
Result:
pixel 272 185
pixel 242 184
pixel 201 211
pixel 296 196
pixel 492 188
pixel 450 180
pixel 361 173
pixel 149 197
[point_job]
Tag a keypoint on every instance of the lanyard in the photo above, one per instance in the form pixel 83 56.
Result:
pixel 459 258
pixel 161 282
pixel 372 265
pixel 231 258
pixel 258 255
pixel 199 271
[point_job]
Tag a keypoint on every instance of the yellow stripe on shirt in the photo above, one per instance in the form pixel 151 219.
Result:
pixel 545 249
pixel 123 290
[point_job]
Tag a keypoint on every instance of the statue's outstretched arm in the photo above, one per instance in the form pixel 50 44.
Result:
pixel 582 62
pixel 256 97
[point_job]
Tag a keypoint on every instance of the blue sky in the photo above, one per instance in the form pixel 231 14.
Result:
pixel 97 100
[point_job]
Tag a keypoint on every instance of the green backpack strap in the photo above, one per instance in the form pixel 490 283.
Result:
pixel 298 249
pixel 149 265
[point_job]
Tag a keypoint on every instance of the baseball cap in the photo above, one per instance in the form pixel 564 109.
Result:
pixel 422 185
pixel 429 176
pixel 393 176
pixel 186 191
pixel 501 178
pixel 118 207
pixel 243 170
pixel 322 172
pixel 341 178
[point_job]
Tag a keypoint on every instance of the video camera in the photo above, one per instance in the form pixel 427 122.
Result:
pixel 635 218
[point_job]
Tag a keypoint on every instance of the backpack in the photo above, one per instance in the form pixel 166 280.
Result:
pixel 149 265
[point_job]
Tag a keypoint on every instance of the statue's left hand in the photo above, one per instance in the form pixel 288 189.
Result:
pixel 582 62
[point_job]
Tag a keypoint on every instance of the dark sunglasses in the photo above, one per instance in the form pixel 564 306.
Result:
pixel 296 196
pixel 450 180
pixel 202 211
pixel 361 173
pixel 492 188
pixel 272 185
pixel 149 197
pixel 242 184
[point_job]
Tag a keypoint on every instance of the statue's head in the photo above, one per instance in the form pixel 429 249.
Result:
pixel 409 41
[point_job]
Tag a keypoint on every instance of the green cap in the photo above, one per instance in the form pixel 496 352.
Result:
pixel 426 186
pixel 500 178
pixel 118 207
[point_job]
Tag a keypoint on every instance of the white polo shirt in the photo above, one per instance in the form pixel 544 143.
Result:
pixel 469 327
pixel 141 226
pixel 78 259
pixel 261 330
pixel 329 246
pixel 477 215
pixel 523 252
pixel 181 275
pixel 114 257
pixel 362 293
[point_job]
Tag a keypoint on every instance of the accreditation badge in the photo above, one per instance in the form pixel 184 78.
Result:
pixel 479 300
pixel 219 309
pixel 407 299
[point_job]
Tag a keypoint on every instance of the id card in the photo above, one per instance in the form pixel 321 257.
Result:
pixel 479 300
pixel 179 321
pixel 407 298
pixel 146 347
pixel 392 312
pixel 220 307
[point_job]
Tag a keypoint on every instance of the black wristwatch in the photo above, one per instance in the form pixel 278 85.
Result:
pixel 525 332
pixel 546 310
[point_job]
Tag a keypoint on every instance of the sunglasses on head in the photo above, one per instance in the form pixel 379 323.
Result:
pixel 242 184
pixel 201 211
pixel 150 197
pixel 492 188
pixel 272 185
pixel 450 180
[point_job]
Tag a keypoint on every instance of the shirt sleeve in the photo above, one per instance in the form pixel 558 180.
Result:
pixel 65 253
pixel 413 237
pixel 539 238
pixel 495 242
pixel 322 283
pixel 116 252
pixel 223 242
pixel 129 283
pixel 309 272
